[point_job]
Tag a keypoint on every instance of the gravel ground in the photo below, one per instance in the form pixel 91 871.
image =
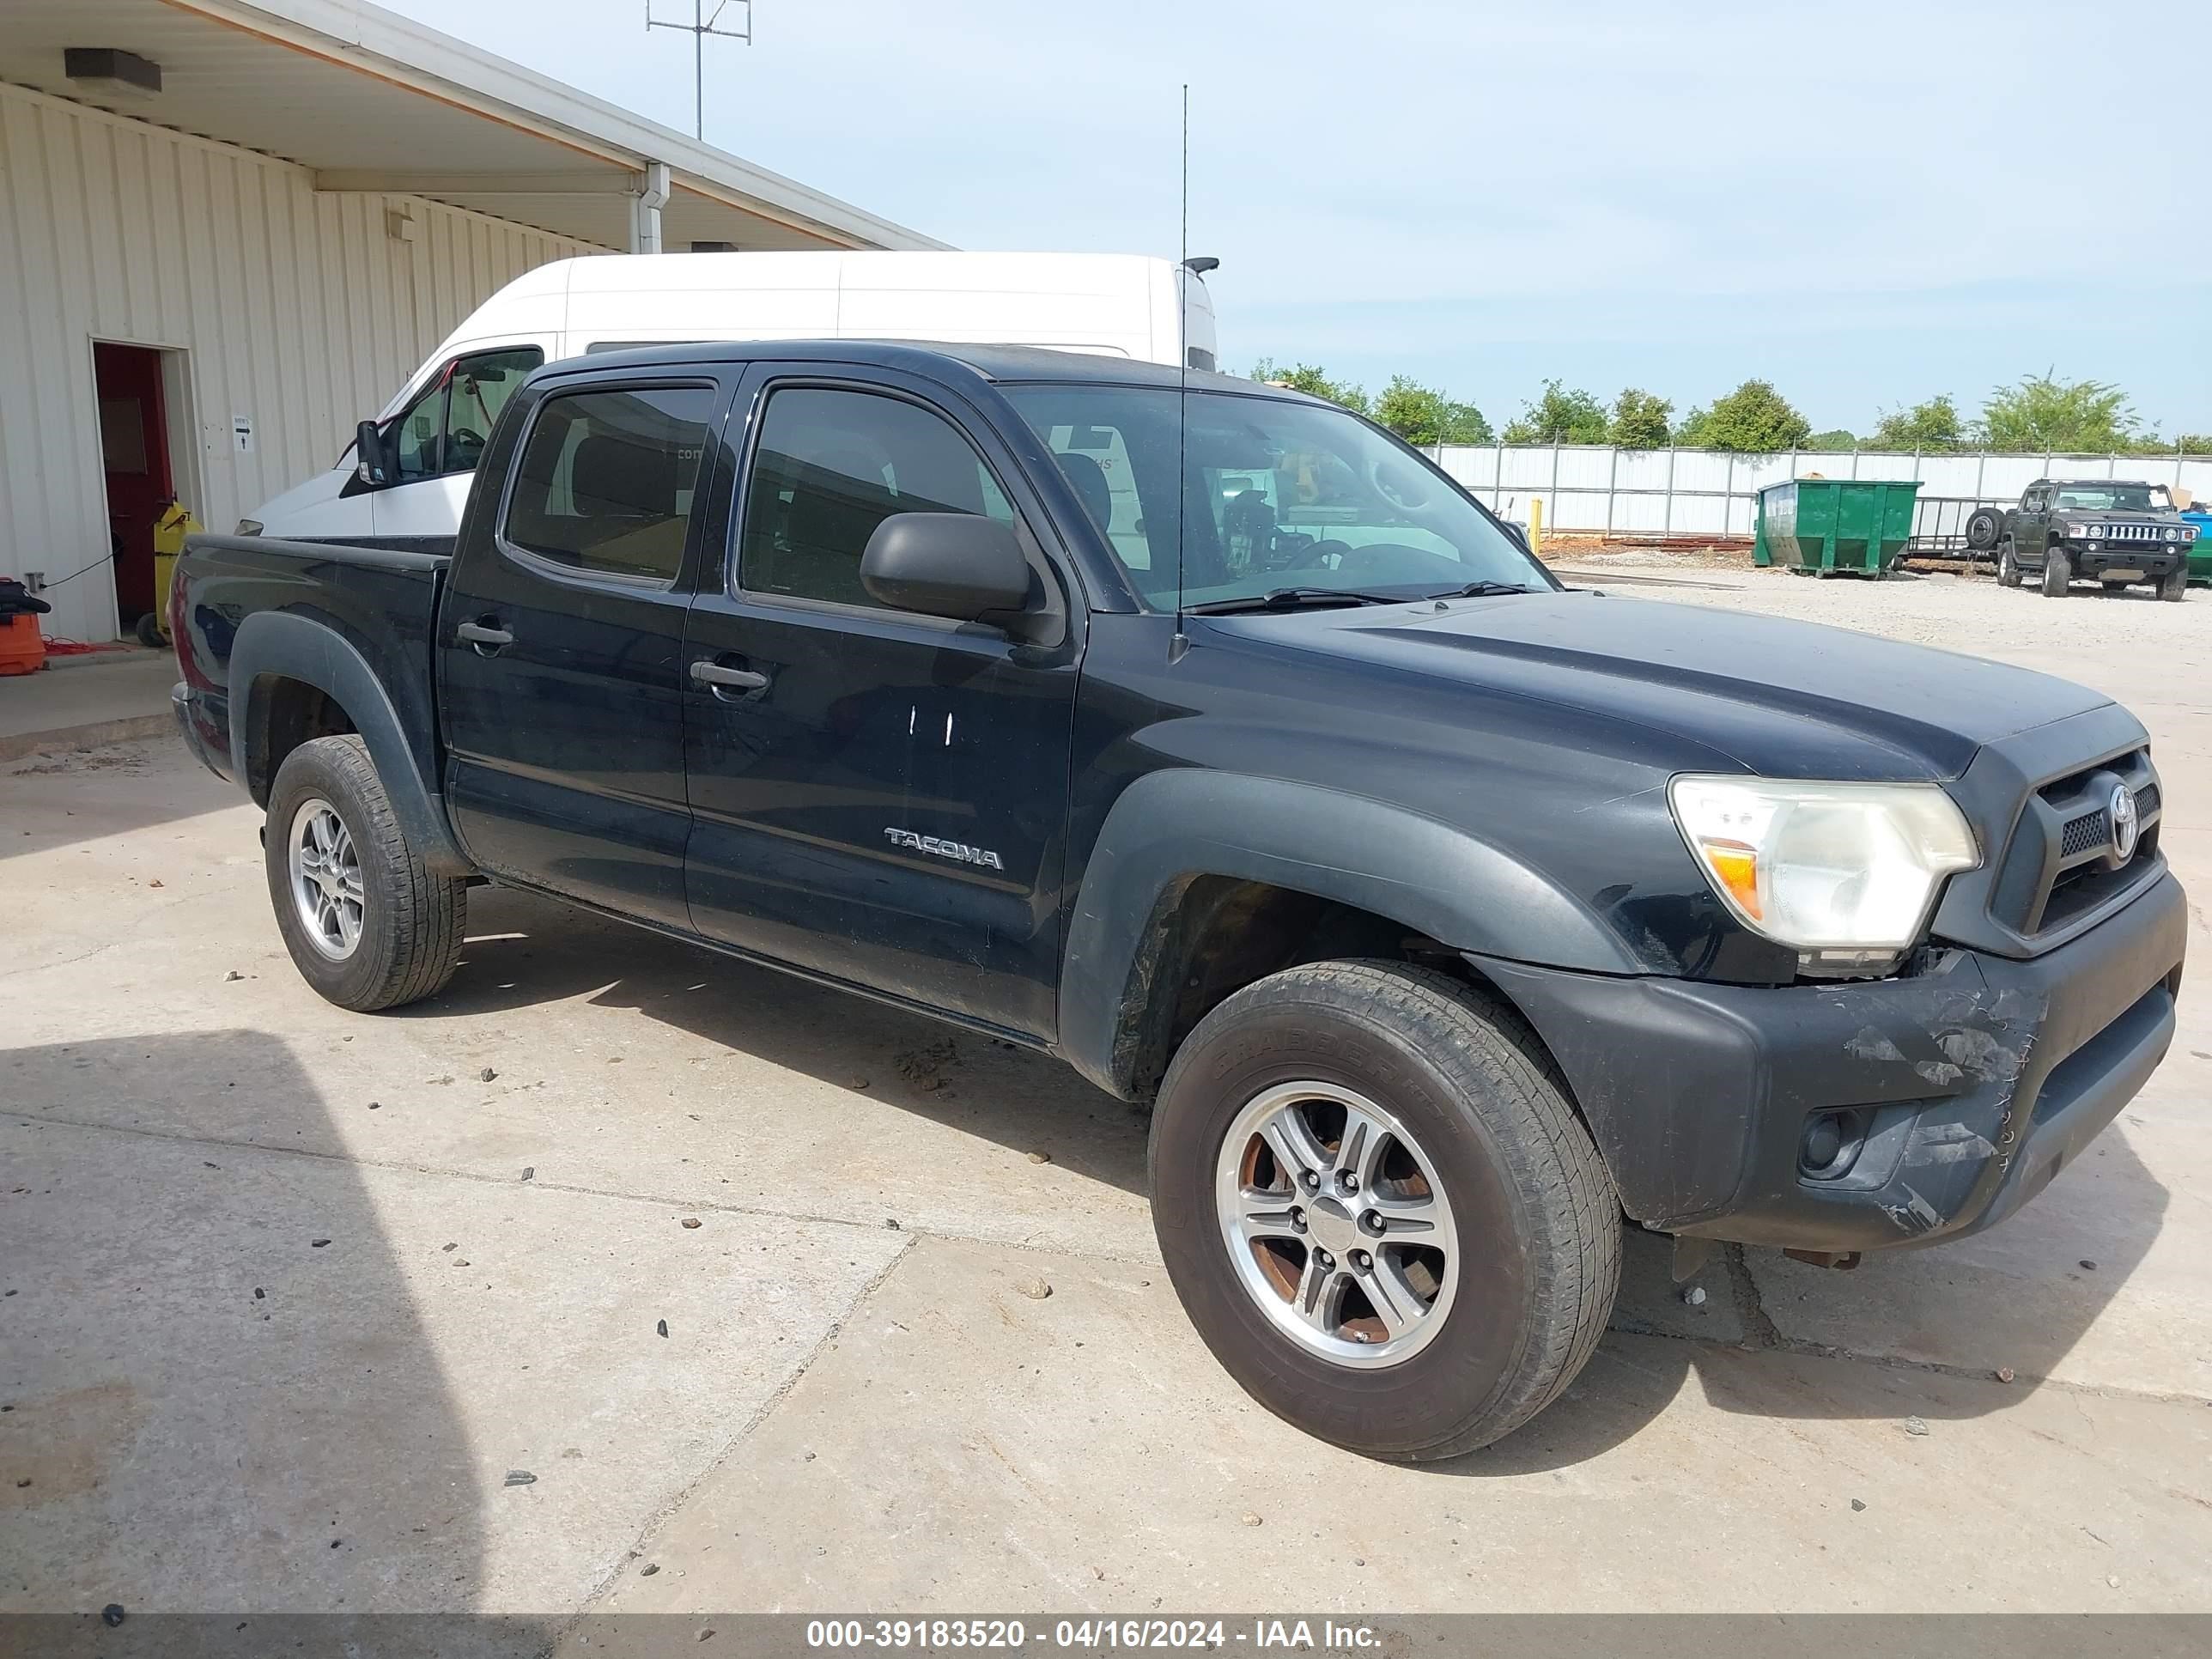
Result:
pixel 2130 644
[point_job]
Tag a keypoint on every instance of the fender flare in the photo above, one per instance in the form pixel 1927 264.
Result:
pixel 1171 827
pixel 286 645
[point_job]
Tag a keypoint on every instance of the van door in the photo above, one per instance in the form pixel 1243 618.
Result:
pixel 877 795
pixel 560 667
pixel 436 442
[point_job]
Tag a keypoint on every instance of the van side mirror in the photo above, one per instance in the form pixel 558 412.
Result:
pixel 1519 534
pixel 372 460
pixel 960 565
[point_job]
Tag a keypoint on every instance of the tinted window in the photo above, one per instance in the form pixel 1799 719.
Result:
pixel 444 429
pixel 830 467
pixel 605 480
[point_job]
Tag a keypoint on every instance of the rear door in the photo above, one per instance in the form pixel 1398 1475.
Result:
pixel 877 795
pixel 562 688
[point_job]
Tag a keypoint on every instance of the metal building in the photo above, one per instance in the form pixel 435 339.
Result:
pixel 230 230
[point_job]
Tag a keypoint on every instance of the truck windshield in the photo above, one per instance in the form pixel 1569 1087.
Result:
pixel 1276 495
pixel 2115 498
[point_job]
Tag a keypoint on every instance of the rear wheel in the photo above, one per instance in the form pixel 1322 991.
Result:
pixel 367 924
pixel 1379 1209
pixel 2008 566
pixel 2174 587
pixel 2057 573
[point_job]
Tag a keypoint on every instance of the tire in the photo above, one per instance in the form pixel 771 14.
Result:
pixel 407 924
pixel 1523 1200
pixel 148 631
pixel 2007 566
pixel 2173 587
pixel 2057 573
pixel 1984 526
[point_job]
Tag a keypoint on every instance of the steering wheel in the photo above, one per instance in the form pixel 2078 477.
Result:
pixel 463 438
pixel 1394 484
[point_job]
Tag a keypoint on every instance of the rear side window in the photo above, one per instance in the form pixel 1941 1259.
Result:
pixel 606 480
pixel 830 467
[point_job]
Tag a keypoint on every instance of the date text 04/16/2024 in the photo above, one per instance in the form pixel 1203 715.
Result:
pixel 1092 1634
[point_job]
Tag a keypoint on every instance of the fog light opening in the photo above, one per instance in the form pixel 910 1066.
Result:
pixel 1831 1145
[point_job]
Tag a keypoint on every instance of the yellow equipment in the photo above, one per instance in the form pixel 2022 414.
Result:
pixel 169 533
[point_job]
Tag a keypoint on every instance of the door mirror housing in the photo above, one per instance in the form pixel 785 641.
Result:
pixel 372 458
pixel 959 565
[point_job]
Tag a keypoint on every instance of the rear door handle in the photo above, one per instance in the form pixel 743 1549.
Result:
pixel 713 674
pixel 477 634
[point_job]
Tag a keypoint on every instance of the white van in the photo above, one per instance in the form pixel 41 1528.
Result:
pixel 1114 304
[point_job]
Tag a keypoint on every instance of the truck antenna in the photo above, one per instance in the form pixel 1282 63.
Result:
pixel 1179 642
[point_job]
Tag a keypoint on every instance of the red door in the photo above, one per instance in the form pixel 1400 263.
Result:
pixel 134 453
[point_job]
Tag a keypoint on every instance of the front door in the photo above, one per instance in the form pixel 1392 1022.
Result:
pixel 435 443
pixel 134 461
pixel 879 796
pixel 561 672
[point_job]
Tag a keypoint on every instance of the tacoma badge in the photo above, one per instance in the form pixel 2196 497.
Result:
pixel 958 850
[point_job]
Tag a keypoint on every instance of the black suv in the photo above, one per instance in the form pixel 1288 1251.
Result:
pixel 2110 531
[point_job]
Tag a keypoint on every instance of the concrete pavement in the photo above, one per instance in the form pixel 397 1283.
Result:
pixel 857 1405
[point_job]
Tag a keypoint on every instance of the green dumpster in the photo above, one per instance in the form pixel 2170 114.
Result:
pixel 2200 552
pixel 1821 526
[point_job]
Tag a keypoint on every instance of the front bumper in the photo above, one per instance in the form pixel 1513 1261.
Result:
pixel 2155 559
pixel 1971 1084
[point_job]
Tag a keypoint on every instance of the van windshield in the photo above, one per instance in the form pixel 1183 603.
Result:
pixel 1276 495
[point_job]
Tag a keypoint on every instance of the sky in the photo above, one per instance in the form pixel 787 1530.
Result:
pixel 1867 203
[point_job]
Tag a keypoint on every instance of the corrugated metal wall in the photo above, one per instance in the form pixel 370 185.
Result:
pixel 296 310
pixel 1711 492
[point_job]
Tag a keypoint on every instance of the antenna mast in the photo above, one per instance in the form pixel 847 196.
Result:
pixel 1179 643
pixel 699 28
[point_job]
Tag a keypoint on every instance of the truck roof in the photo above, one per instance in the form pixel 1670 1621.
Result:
pixel 2095 483
pixel 1000 364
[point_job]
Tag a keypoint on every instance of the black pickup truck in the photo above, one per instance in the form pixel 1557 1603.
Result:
pixel 1207 737
pixel 2113 531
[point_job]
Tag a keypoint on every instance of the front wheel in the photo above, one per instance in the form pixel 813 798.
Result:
pixel 368 924
pixel 2057 571
pixel 1379 1209
pixel 2174 587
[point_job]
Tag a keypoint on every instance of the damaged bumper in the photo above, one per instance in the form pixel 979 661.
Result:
pixel 1863 1116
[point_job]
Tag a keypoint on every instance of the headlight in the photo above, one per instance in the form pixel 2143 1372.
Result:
pixel 2173 535
pixel 2072 531
pixel 1844 872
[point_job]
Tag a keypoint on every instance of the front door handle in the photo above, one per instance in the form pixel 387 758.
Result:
pixel 713 674
pixel 486 640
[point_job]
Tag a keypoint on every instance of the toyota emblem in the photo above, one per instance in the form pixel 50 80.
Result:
pixel 2124 826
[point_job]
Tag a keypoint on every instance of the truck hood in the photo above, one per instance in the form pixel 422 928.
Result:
pixel 1784 699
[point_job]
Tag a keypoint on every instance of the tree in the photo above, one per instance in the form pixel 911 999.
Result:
pixel 2043 412
pixel 1934 425
pixel 1421 415
pixel 1835 441
pixel 1640 420
pixel 1560 417
pixel 1754 419
pixel 1313 381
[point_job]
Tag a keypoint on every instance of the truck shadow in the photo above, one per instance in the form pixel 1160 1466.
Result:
pixel 220 1395
pixel 1917 1333
pixel 1920 1333
pixel 524 949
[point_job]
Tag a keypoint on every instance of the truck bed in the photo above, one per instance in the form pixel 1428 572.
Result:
pixel 381 602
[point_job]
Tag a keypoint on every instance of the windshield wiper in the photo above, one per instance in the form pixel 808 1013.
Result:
pixel 1285 599
pixel 1484 589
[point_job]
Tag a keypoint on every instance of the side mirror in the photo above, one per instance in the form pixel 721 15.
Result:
pixel 372 462
pixel 959 565
pixel 1519 534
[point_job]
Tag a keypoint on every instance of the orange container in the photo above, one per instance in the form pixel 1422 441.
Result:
pixel 21 649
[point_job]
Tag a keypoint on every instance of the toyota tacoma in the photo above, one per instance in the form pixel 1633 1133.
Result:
pixel 1208 738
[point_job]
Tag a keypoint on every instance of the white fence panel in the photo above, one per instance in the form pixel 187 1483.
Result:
pixel 1594 489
